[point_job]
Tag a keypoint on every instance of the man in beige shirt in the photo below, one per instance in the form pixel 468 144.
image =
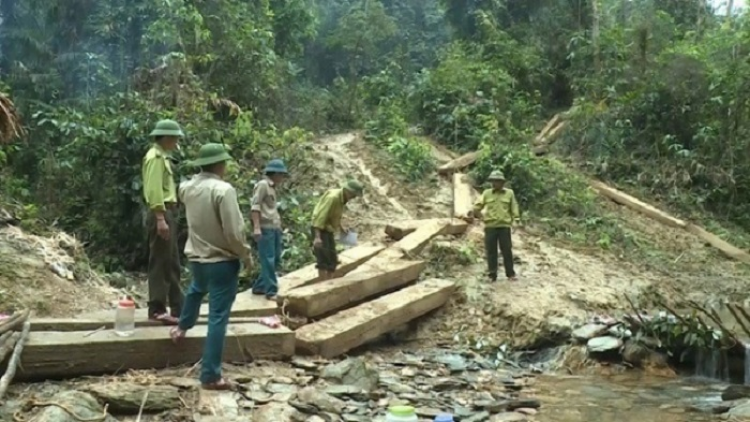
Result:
pixel 215 247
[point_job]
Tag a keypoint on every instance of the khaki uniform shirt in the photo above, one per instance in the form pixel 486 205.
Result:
pixel 158 180
pixel 215 223
pixel 329 210
pixel 264 202
pixel 500 208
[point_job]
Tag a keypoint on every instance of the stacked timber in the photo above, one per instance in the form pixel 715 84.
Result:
pixel 14 331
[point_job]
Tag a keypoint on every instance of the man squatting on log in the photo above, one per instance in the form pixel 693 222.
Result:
pixel 500 213
pixel 215 246
pixel 160 196
pixel 326 219
pixel 267 228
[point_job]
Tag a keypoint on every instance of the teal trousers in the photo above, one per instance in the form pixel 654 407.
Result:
pixel 219 280
pixel 269 255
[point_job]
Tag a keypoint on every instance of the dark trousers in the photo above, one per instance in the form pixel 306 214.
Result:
pixel 494 238
pixel 219 280
pixel 269 254
pixel 163 267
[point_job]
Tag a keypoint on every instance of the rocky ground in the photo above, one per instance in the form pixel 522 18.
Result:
pixel 304 390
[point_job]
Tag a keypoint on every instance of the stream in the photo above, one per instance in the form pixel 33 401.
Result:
pixel 627 397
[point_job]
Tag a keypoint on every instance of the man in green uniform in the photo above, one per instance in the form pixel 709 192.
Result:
pixel 215 247
pixel 500 213
pixel 326 219
pixel 160 195
pixel 267 228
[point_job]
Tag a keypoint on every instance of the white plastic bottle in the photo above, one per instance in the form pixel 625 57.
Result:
pixel 401 414
pixel 125 318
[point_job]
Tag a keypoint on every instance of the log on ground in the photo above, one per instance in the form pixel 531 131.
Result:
pixel 356 326
pixel 459 163
pixel 723 246
pixel 637 205
pixel 93 325
pixel 59 354
pixel 339 293
pixel 463 195
pixel 400 229
pixel 348 261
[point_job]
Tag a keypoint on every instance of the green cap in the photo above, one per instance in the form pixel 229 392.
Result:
pixel 354 187
pixel 167 128
pixel 276 166
pixel 402 411
pixel 211 154
pixel 496 175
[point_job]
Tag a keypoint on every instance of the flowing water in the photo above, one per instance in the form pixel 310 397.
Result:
pixel 627 397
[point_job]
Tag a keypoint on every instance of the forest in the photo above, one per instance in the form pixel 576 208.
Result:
pixel 654 92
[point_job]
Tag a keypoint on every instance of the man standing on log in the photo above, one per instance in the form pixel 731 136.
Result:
pixel 326 219
pixel 160 195
pixel 215 247
pixel 267 228
pixel 500 213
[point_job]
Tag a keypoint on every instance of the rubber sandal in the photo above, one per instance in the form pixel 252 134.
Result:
pixel 220 385
pixel 176 334
pixel 164 318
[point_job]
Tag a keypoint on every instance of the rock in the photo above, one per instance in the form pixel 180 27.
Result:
pixel 126 397
pixel 527 411
pixel 353 371
pixel 524 403
pixel 635 353
pixel 277 412
pixel 446 384
pixel 186 383
pixel 477 417
pixel 742 411
pixel 83 404
pixel 734 392
pixel 588 331
pixel 318 398
pixel 454 362
pixel 508 417
pixel 347 391
pixel 603 344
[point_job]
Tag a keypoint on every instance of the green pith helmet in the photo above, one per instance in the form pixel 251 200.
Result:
pixel 211 154
pixel 496 175
pixel 354 187
pixel 167 128
pixel 276 166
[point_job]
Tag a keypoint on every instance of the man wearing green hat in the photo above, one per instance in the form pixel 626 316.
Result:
pixel 215 247
pixel 267 228
pixel 326 219
pixel 500 213
pixel 160 196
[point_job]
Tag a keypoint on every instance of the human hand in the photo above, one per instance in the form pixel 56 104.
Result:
pixel 257 234
pixel 162 228
pixel 317 243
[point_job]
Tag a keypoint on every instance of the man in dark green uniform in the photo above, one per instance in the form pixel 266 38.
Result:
pixel 160 194
pixel 500 213
pixel 326 220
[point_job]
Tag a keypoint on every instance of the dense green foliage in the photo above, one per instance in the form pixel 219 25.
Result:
pixel 658 91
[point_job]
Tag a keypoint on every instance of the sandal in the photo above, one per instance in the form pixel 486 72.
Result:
pixel 177 334
pixel 164 318
pixel 221 385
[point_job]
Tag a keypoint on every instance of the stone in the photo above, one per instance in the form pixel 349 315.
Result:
pixel 603 344
pixel 734 392
pixel 83 404
pixel 741 411
pixel 588 331
pixel 635 353
pixel 277 412
pixel 320 399
pixel 352 371
pixel 508 417
pixel 126 397
pixel 347 391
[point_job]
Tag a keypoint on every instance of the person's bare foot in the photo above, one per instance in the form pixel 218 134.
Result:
pixel 221 385
pixel 164 318
pixel 512 278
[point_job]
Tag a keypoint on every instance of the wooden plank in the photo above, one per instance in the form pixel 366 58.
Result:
pixel 66 354
pixel 544 145
pixel 79 324
pixel 348 260
pixel 353 327
pixel 723 246
pixel 318 299
pixel 399 229
pixel 550 124
pixel 463 195
pixel 459 163
pixel 637 205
